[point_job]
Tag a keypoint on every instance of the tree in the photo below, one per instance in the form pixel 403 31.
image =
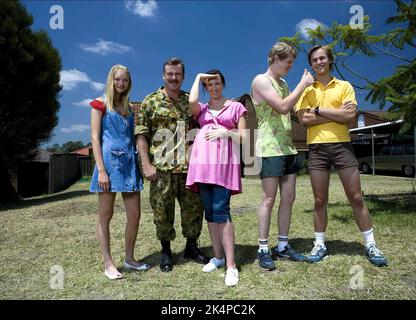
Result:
pixel 55 148
pixel 29 89
pixel 67 147
pixel 70 146
pixel 397 90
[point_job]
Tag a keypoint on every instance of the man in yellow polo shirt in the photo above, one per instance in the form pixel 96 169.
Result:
pixel 326 108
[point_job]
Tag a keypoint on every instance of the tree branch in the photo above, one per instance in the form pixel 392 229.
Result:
pixel 356 74
pixel 392 54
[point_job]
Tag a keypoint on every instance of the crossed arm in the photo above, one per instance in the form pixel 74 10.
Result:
pixel 345 114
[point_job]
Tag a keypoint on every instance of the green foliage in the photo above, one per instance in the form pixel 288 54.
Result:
pixel 398 91
pixel 55 148
pixel 406 15
pixel 67 147
pixel 340 38
pixel 29 85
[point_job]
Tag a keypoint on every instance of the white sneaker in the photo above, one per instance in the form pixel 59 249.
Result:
pixel 213 264
pixel 231 277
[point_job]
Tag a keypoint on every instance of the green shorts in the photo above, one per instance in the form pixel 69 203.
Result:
pixel 280 165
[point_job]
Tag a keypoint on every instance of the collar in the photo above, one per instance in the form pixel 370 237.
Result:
pixel 227 103
pixel 333 81
pixel 162 95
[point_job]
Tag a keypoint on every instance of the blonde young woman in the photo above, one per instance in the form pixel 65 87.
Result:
pixel 116 169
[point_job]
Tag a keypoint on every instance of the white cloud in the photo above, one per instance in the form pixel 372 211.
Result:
pixel 76 128
pixel 141 8
pixel 71 78
pixel 105 47
pixel 83 103
pixel 97 86
pixel 308 23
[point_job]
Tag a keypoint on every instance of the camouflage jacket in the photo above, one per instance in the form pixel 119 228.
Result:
pixel 169 128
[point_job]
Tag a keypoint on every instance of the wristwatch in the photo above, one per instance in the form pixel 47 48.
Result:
pixel 317 110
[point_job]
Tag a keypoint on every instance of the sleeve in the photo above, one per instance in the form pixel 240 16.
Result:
pixel 240 111
pixel 349 93
pixel 99 105
pixel 201 106
pixel 143 120
pixel 303 102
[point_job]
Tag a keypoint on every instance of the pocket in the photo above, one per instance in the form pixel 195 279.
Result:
pixel 163 121
pixel 117 159
pixel 157 186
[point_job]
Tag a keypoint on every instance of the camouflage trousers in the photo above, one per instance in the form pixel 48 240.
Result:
pixel 162 194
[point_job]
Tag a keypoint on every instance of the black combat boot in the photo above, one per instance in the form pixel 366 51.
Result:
pixel 166 263
pixel 192 252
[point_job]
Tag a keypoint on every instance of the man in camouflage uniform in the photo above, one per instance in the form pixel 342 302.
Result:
pixel 164 121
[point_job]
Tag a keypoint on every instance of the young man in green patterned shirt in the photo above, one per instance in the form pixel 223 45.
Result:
pixel 279 161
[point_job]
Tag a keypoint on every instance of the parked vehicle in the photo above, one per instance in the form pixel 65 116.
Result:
pixel 392 158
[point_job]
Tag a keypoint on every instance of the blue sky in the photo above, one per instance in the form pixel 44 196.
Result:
pixel 233 36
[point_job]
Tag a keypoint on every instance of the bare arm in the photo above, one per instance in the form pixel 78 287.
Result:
pixel 194 96
pixel 263 89
pixel 194 93
pixel 96 117
pixel 345 114
pixel 242 129
pixel 149 171
pixel 239 135
pixel 236 135
pixel 103 180
pixel 309 118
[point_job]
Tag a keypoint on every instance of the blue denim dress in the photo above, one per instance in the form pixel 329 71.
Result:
pixel 119 154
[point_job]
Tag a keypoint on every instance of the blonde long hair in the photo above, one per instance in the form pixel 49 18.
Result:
pixel 109 92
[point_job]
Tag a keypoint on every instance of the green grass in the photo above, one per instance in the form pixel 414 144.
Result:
pixel 59 229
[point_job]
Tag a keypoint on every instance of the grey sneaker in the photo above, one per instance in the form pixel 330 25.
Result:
pixel 318 253
pixel 265 260
pixel 375 256
pixel 287 253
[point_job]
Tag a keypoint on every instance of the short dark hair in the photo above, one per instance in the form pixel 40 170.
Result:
pixel 328 52
pixel 214 71
pixel 174 62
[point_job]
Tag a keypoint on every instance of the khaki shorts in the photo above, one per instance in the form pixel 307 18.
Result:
pixel 339 154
